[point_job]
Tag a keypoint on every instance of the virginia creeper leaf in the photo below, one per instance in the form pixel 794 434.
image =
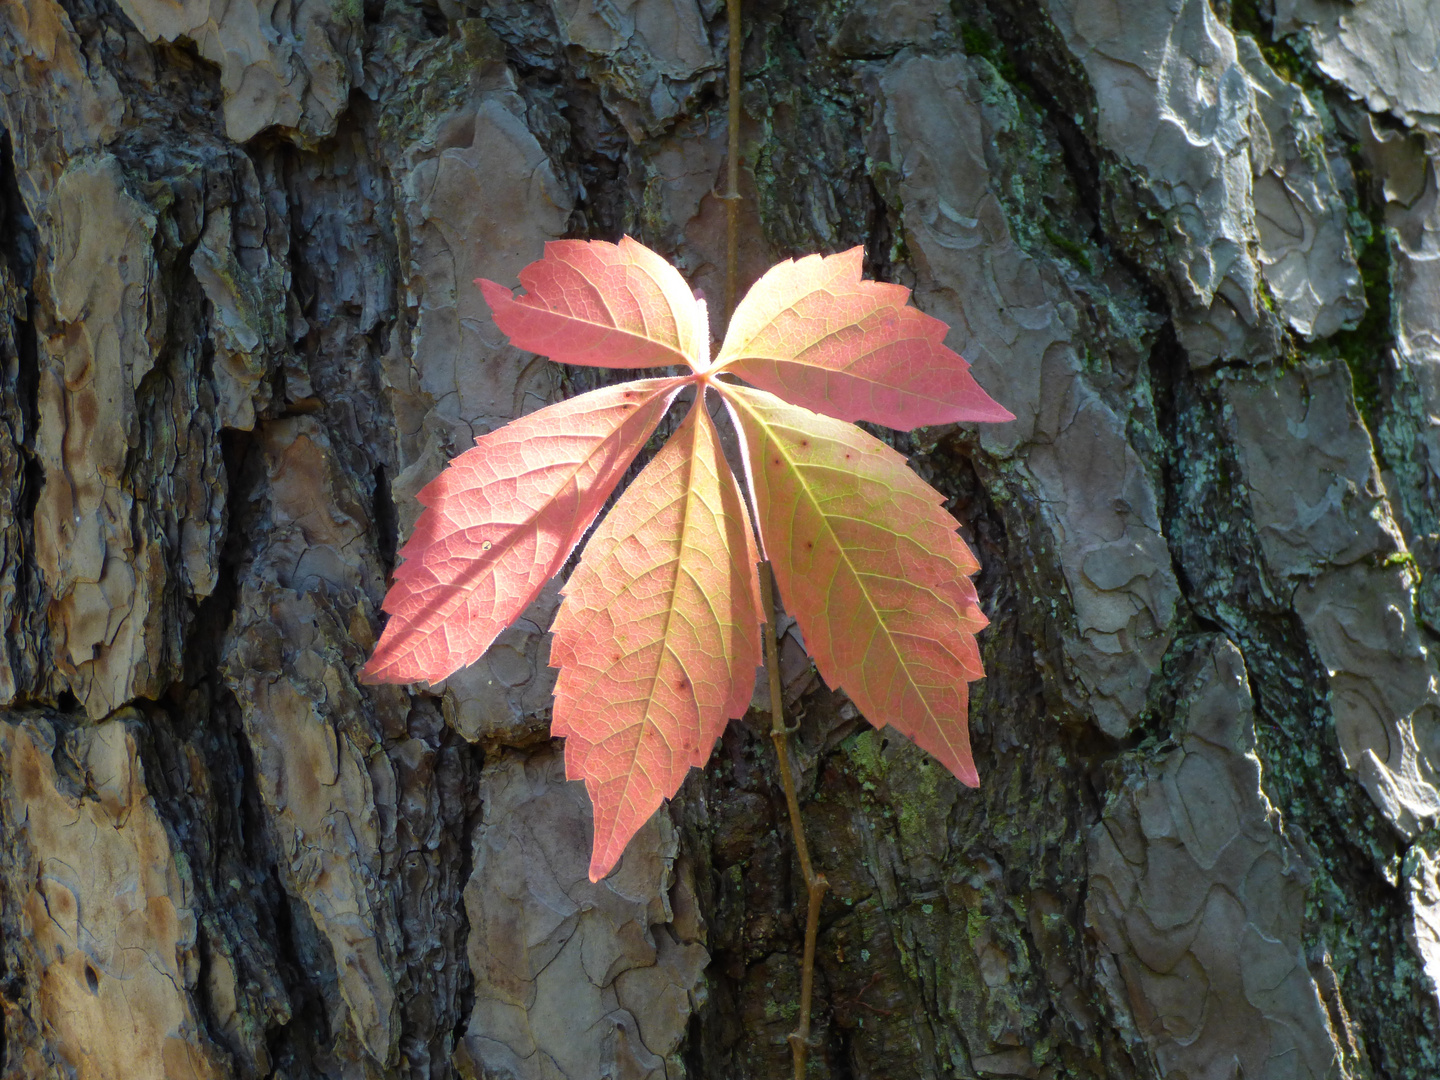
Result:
pixel 658 637
pixel 604 305
pixel 501 520
pixel 813 331
pixel 869 563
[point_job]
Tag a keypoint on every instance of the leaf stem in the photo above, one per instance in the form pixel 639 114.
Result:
pixel 732 167
pixel 815 884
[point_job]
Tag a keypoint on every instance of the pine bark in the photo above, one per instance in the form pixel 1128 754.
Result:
pixel 1191 245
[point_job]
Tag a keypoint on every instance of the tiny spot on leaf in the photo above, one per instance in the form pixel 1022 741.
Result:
pixel 486 546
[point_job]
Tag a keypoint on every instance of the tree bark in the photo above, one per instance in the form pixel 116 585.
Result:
pixel 1192 246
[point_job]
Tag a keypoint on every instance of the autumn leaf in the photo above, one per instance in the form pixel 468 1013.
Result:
pixel 870 567
pixel 815 333
pixel 658 638
pixel 501 520
pixel 603 305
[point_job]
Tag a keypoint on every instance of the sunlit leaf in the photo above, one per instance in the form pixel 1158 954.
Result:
pixel 816 333
pixel 658 638
pixel 603 305
pixel 869 564
pixel 501 520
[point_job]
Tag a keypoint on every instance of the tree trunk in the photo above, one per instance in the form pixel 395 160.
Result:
pixel 1193 247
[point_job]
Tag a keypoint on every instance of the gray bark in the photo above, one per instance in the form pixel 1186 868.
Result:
pixel 1193 247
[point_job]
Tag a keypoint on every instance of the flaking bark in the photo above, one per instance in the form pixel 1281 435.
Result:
pixel 1190 245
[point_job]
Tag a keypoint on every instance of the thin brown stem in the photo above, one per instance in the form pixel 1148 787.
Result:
pixel 732 169
pixel 815 884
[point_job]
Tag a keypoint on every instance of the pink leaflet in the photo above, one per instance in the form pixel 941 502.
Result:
pixel 869 564
pixel 816 333
pixel 501 520
pixel 658 638
pixel 603 305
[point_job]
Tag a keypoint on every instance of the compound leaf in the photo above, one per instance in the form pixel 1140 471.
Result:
pixel 869 563
pixel 501 520
pixel 816 333
pixel 604 305
pixel 658 637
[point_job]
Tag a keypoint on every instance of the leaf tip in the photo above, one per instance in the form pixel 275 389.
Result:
pixel 493 291
pixel 1003 415
pixel 602 862
pixel 371 673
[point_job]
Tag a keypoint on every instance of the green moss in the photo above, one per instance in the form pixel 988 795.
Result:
pixel 978 42
pixel 1245 18
pixel 863 748
pixel 924 806
pixel 1070 247
pixel 1364 348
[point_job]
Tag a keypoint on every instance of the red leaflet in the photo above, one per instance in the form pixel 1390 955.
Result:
pixel 657 639
pixel 815 333
pixel 604 305
pixel 500 522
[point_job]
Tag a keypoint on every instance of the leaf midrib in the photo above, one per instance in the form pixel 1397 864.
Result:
pixel 614 329
pixel 647 723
